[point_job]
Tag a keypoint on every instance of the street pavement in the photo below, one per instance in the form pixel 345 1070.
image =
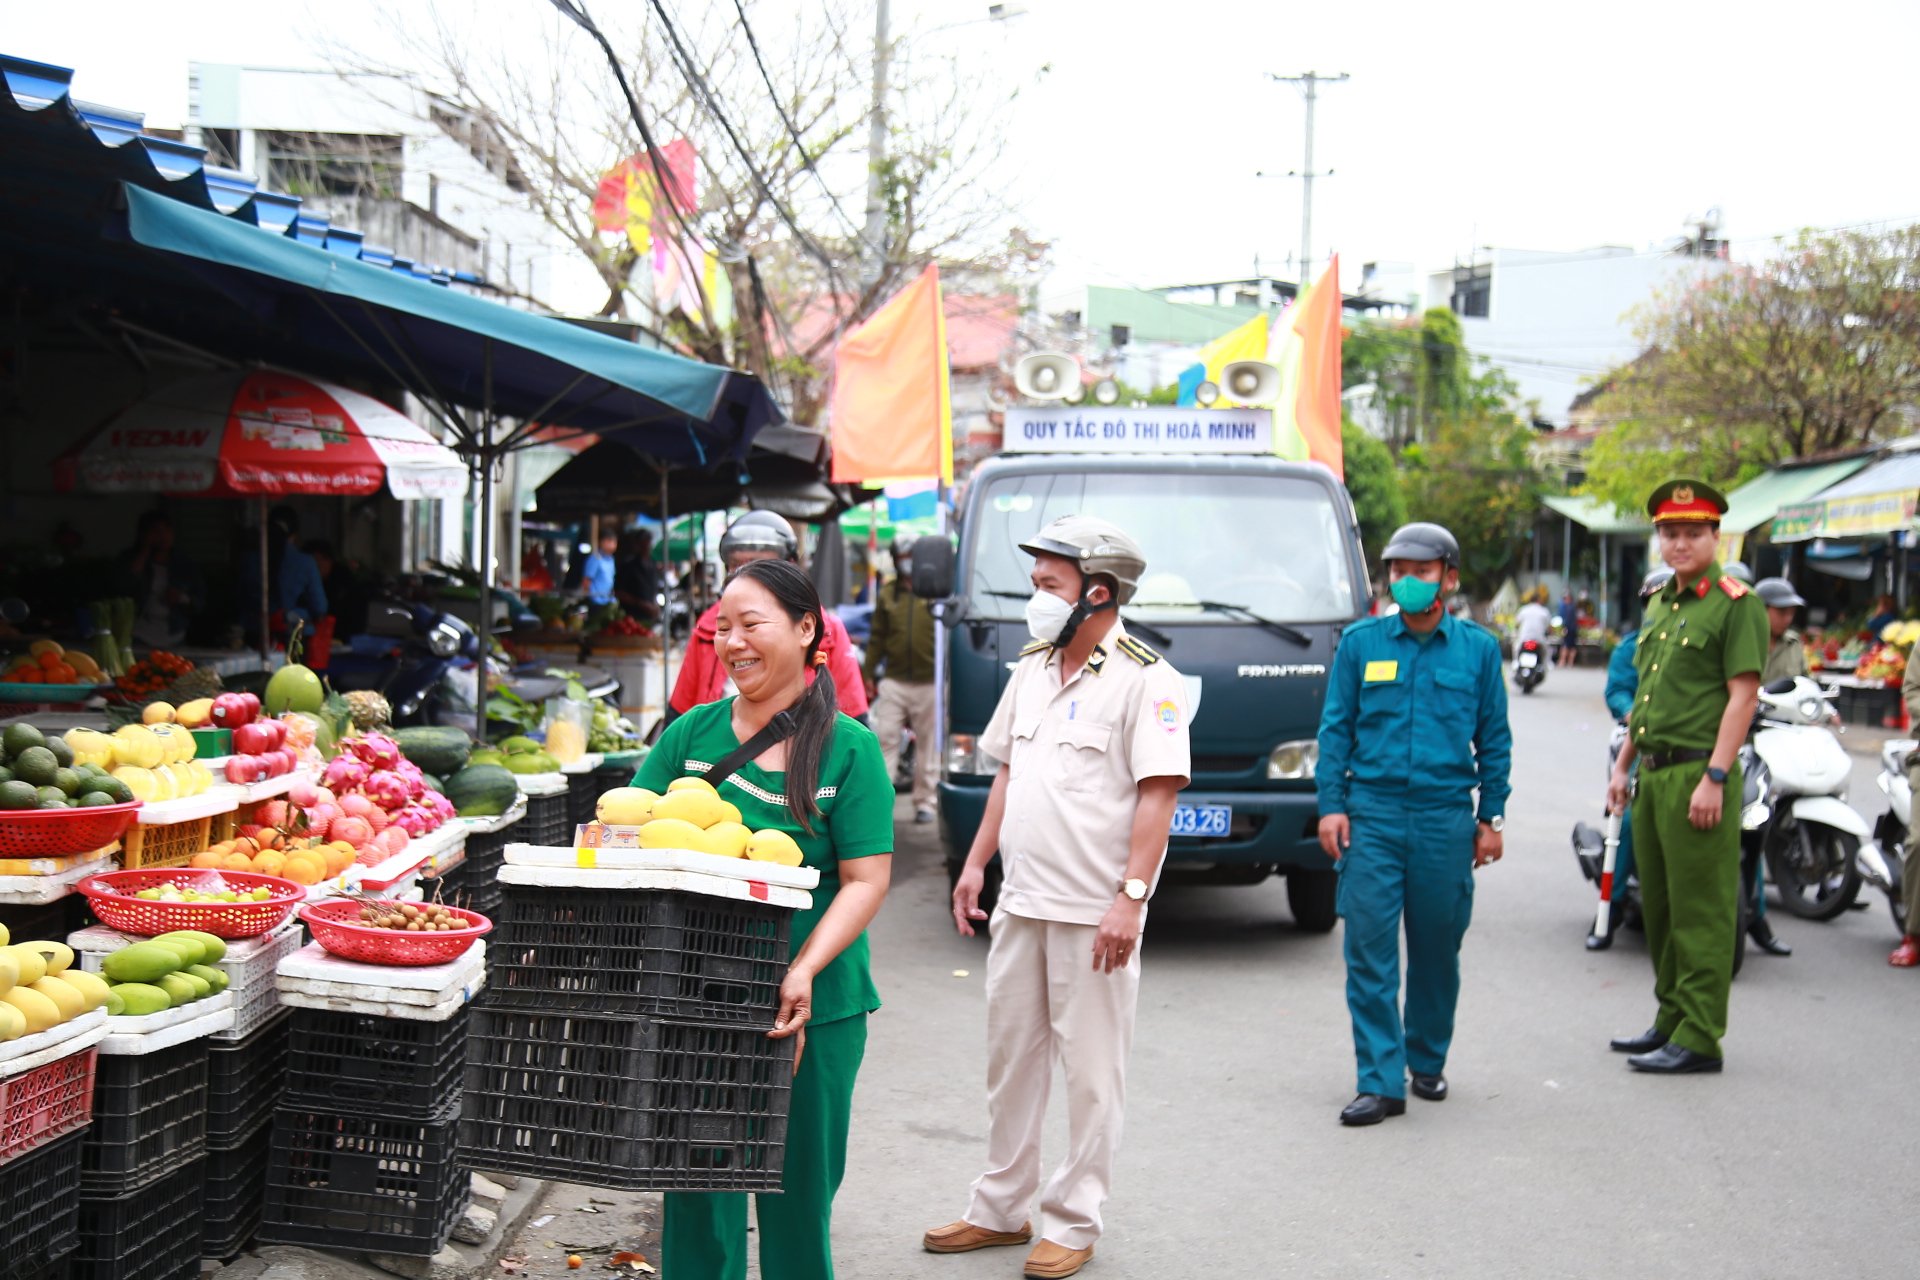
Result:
pixel 1549 1159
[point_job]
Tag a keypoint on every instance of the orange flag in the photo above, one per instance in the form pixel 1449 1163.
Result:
pixel 892 406
pixel 1307 351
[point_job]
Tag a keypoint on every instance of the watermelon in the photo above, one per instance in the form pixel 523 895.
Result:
pixel 438 750
pixel 481 791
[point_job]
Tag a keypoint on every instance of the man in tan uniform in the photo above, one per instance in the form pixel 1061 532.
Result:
pixel 1093 729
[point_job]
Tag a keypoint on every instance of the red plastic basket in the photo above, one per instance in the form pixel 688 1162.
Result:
pixel 55 833
pixel 332 927
pixel 110 895
pixel 45 1103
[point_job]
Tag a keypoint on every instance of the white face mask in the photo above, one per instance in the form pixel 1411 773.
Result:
pixel 1047 616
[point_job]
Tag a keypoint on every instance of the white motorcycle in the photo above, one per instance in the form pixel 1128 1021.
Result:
pixel 1797 769
pixel 1883 863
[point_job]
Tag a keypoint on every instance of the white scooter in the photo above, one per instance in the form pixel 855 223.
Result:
pixel 1884 862
pixel 1811 837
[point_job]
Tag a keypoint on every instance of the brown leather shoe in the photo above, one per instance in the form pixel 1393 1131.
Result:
pixel 1050 1261
pixel 964 1237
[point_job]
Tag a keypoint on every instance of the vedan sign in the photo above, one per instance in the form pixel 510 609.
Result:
pixel 1858 517
pixel 1144 430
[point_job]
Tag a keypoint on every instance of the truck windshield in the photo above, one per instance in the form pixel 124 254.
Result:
pixel 1270 544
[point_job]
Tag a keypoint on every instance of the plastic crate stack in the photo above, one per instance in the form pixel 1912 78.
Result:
pixel 46 1103
pixel 143 1160
pixel 363 1148
pixel 622 1038
pixel 475 883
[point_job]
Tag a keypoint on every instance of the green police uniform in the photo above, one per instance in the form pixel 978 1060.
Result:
pixel 1698 635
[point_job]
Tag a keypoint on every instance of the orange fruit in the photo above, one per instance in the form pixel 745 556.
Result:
pixel 236 862
pixel 208 860
pixel 339 860
pixel 302 868
pixel 49 659
pixel 270 863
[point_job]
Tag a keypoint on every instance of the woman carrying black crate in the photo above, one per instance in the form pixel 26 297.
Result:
pixel 823 782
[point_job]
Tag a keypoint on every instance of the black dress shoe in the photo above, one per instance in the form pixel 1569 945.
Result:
pixel 1599 941
pixel 1371 1108
pixel 1762 934
pixel 1432 1088
pixel 1671 1059
pixel 1646 1042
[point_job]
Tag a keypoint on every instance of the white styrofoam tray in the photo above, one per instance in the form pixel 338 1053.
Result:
pixel 499 822
pixel 128 1025
pixel 271 787
pixel 707 864
pixel 313 968
pixel 585 764
pixel 34 891
pixel 541 784
pixel 95 941
pixel 221 797
pixel 737 889
pixel 139 1043
pixel 33 868
pixel 56 1042
pixel 384 1008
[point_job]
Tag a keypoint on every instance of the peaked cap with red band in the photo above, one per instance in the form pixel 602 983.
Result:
pixel 1692 500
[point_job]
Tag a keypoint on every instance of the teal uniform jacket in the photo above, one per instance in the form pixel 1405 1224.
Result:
pixel 1410 730
pixel 1622 679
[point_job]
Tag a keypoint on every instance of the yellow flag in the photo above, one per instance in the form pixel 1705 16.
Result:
pixel 1248 342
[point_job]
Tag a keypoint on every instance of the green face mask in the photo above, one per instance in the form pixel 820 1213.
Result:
pixel 1414 595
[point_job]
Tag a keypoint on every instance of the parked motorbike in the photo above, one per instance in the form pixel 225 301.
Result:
pixel 1530 667
pixel 1883 860
pixel 1811 837
pixel 404 654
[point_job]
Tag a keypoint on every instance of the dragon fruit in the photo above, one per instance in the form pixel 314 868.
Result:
pixel 416 780
pixel 387 789
pixel 345 773
pixel 438 805
pixel 375 750
pixel 415 820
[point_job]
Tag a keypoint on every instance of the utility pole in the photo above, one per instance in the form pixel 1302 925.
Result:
pixel 1311 82
pixel 873 239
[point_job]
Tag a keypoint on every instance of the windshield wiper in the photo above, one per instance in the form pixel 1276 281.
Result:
pixel 1280 629
pixel 1151 632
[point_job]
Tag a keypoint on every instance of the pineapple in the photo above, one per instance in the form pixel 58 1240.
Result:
pixel 368 709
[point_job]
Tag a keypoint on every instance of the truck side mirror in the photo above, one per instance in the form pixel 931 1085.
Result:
pixel 933 567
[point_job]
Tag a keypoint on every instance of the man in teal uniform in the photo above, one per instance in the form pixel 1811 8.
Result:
pixel 1415 720
pixel 1701 650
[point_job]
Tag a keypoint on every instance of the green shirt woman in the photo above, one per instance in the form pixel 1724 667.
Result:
pixel 827 787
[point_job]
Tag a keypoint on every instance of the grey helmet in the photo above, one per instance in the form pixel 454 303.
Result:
pixel 1655 579
pixel 1422 541
pixel 1096 546
pixel 760 531
pixel 1738 569
pixel 1777 593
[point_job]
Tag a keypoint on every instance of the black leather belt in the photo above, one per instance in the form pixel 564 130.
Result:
pixel 1667 759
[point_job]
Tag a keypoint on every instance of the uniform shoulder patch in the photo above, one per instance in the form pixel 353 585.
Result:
pixel 1733 586
pixel 1038 646
pixel 1140 653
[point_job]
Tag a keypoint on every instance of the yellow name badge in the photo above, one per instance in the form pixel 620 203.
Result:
pixel 1381 671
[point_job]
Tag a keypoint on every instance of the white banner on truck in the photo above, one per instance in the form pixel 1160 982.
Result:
pixel 1084 428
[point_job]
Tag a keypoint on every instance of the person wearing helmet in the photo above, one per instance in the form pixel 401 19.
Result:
pixel 759 535
pixel 1699 660
pixel 1093 729
pixel 1738 571
pixel 1622 681
pixel 1786 656
pixel 899 673
pixel 1415 720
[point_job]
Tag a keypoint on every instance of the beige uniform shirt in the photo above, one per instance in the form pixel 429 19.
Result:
pixel 1076 754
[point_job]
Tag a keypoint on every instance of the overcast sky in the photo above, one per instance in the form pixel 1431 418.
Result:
pixel 1522 125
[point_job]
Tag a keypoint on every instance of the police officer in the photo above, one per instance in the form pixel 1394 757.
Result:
pixel 1093 730
pixel 1622 683
pixel 1701 650
pixel 1787 657
pixel 1415 720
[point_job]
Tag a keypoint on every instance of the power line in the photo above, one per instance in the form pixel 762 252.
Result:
pixel 793 131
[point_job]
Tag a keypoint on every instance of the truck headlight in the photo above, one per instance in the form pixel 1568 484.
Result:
pixel 964 756
pixel 1293 760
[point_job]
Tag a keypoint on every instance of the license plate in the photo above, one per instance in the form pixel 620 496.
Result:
pixel 1207 821
pixel 1529 659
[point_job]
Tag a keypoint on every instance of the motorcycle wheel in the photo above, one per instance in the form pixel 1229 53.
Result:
pixel 1817 875
pixel 1313 897
pixel 1526 689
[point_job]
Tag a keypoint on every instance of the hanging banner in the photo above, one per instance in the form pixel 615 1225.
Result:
pixel 1865 516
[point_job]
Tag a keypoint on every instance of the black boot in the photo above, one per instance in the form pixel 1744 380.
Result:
pixel 1762 934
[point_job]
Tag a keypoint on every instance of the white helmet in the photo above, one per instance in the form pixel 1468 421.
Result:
pixel 1097 546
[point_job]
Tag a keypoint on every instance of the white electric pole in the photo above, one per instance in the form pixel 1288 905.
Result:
pixel 1310 82
pixel 873 239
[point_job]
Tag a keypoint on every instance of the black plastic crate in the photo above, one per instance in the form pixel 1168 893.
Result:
pixel 235 1196
pixel 39 1206
pixel 149 1118
pixel 393 1066
pixel 583 792
pixel 152 1233
pixel 678 955
pixel 546 822
pixel 448 887
pixel 47 922
pixel 640 1104
pixel 354 1181
pixel 487 899
pixel 244 1082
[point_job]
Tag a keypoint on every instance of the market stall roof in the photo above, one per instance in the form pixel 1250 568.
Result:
pixel 1874 500
pixel 613 477
pixel 1756 502
pixel 1598 516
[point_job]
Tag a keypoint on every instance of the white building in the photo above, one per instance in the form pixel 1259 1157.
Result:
pixel 380 155
pixel 1553 321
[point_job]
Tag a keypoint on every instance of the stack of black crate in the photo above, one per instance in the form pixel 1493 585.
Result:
pixel 245 1079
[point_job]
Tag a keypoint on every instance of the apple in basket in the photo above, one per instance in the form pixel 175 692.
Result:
pixel 246 769
pixel 252 740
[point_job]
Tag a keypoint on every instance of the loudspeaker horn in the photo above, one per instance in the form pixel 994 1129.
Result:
pixel 1250 382
pixel 1047 375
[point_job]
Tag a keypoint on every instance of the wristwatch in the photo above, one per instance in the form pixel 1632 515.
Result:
pixel 1497 823
pixel 1136 890
pixel 1716 776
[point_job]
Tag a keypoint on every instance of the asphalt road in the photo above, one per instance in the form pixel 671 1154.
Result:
pixel 1550 1158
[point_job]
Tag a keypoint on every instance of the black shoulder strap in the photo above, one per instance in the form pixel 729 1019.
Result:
pixel 778 729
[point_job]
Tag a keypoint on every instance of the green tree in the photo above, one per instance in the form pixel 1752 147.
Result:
pixel 1476 476
pixel 1813 351
pixel 1374 484
pixel 1421 372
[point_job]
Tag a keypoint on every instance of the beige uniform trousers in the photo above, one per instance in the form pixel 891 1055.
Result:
pixel 901 704
pixel 1045 1003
